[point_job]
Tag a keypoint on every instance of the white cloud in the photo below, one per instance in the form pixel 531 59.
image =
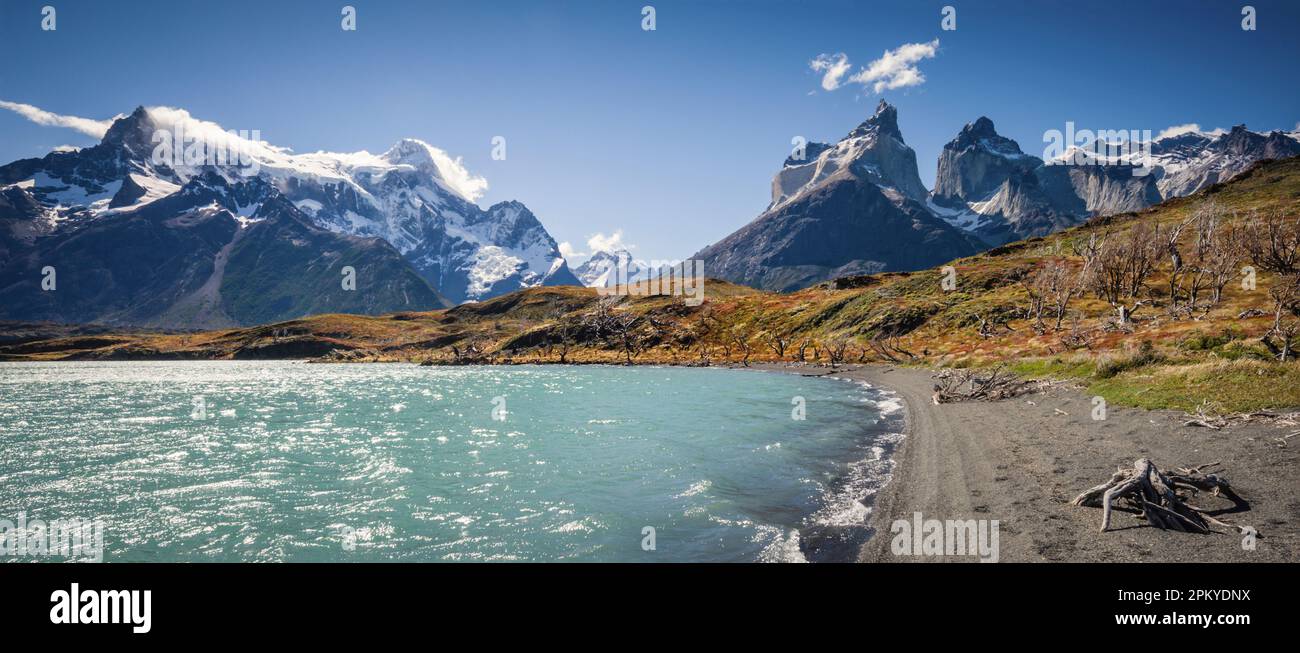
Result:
pixel 66 148
pixel 451 170
pixel 329 165
pixel 568 252
pixel 897 68
pixel 833 67
pixel 894 69
pixel 40 116
pixel 1179 129
pixel 611 243
pixel 1189 128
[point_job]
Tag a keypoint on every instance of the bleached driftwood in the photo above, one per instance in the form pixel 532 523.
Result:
pixel 968 385
pixel 1156 495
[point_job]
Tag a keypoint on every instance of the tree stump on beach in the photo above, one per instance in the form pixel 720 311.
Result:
pixel 970 385
pixel 1156 495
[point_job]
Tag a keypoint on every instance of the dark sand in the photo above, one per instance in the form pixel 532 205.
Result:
pixel 1020 462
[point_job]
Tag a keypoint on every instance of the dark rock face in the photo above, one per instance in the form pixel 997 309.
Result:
pixel 847 227
pixel 123 269
pixel 976 163
pixel 20 221
pixel 851 208
pixel 990 187
pixel 283 267
pixel 130 193
pixel 185 260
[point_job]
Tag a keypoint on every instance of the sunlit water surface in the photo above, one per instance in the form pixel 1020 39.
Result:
pixel 303 462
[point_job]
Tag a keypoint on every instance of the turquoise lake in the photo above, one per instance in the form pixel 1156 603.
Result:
pixel 285 461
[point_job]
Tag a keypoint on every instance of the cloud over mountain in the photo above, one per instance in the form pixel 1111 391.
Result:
pixel 894 69
pixel 88 126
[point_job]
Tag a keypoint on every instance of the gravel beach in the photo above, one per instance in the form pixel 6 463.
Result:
pixel 1021 461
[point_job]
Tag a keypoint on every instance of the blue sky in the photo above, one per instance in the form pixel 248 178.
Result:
pixel 671 136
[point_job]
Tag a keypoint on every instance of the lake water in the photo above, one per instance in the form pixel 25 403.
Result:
pixel 288 461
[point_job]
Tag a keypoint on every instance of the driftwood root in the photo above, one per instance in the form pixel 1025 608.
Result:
pixel 1162 498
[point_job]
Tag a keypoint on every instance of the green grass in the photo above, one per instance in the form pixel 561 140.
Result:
pixel 1222 386
pixel 1074 367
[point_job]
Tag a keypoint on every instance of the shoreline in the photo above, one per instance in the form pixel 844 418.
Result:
pixel 1020 461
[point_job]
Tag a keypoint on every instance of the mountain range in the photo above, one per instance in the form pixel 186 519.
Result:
pixel 858 206
pixel 123 238
pixel 608 269
pixel 137 241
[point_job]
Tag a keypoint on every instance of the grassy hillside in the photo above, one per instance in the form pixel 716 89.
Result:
pixel 1173 352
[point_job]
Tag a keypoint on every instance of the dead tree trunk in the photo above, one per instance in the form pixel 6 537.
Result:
pixel 1155 495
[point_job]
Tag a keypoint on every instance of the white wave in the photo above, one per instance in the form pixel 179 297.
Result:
pixel 783 547
pixel 695 488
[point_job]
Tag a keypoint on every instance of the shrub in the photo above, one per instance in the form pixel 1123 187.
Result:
pixel 1146 354
pixel 1204 342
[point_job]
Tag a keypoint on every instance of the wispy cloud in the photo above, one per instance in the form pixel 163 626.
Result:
pixel 894 69
pixel 897 67
pixel 597 242
pixel 40 116
pixel 833 67
pixel 568 251
pixel 1187 129
pixel 612 243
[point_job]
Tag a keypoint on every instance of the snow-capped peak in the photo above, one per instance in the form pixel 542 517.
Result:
pixel 602 269
pixel 449 171
pixel 874 151
pixel 416 196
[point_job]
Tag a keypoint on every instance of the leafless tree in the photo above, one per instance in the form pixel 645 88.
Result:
pixel 1088 249
pixel 1050 286
pixel 1281 340
pixel 1122 266
pixel 1177 269
pixel 1216 255
pixel 803 350
pixel 563 332
pixel 1067 286
pixel 704 354
pixel 619 327
pixel 1035 286
pixel 886 345
pixel 474 351
pixel 741 337
pixel 836 349
pixel 778 341
pixel 1273 243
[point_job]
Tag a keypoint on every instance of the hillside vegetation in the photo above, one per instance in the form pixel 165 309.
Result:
pixel 1192 304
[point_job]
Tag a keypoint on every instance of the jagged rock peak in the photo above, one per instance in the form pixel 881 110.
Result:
pixel 884 121
pixel 981 128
